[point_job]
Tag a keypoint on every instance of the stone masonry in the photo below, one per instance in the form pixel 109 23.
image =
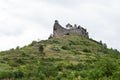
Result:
pixel 58 30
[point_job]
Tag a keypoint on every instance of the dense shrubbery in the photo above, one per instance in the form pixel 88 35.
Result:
pixel 43 69
pixel 104 68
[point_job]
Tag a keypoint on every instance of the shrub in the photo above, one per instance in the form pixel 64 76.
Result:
pixel 73 42
pixel 14 64
pixel 56 49
pixel 95 74
pixel 108 66
pixel 75 51
pixel 18 74
pixel 116 75
pixel 19 61
pixel 42 76
pixel 24 54
pixel 51 36
pixel 6 74
pixel 33 43
pixel 86 50
pixel 85 43
pixel 67 34
pixel 56 41
pixel 83 74
pixel 18 47
pixel 65 47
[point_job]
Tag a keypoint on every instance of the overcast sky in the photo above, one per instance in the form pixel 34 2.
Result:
pixel 22 21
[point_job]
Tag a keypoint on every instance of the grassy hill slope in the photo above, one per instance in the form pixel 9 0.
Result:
pixel 70 57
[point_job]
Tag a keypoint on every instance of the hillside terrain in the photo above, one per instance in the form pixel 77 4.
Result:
pixel 69 57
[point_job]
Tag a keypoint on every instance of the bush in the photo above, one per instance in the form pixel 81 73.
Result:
pixel 14 64
pixel 18 74
pixel 33 43
pixel 56 49
pixel 67 34
pixel 19 61
pixel 116 75
pixel 84 74
pixel 65 47
pixel 18 47
pixel 56 41
pixel 95 74
pixel 42 76
pixel 86 50
pixel 75 51
pixel 6 74
pixel 73 42
pixel 24 54
pixel 51 36
pixel 108 66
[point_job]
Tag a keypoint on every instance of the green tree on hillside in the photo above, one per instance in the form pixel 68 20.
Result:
pixel 41 50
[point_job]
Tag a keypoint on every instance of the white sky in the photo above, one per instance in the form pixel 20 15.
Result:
pixel 22 21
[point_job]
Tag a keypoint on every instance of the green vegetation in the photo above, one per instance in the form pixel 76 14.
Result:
pixel 70 57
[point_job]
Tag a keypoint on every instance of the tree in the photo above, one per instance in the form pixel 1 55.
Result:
pixel 51 36
pixel 41 50
pixel 101 42
pixel 33 43
pixel 17 47
pixel 105 45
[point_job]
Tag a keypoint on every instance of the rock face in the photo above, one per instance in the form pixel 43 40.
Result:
pixel 58 30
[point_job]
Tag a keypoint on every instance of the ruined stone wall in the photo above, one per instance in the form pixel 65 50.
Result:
pixel 60 31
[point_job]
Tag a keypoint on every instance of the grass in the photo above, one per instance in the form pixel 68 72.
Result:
pixel 69 57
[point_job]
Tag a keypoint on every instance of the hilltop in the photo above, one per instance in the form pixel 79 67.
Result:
pixel 69 57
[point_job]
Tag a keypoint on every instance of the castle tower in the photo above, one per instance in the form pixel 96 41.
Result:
pixel 58 30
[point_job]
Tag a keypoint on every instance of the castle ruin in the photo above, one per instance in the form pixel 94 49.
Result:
pixel 58 30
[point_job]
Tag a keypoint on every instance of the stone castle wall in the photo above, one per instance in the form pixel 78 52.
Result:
pixel 58 30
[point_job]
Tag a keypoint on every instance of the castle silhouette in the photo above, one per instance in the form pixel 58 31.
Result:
pixel 58 30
